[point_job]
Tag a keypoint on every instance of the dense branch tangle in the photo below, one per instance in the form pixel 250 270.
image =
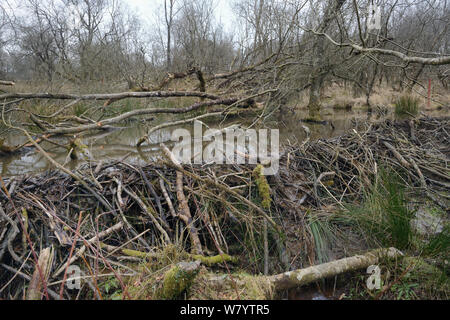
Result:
pixel 213 101
pixel 435 61
pixel 203 200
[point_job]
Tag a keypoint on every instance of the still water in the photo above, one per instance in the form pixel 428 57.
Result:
pixel 121 143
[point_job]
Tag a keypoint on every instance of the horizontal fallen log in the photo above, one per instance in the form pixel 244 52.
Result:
pixel 187 274
pixel 311 274
pixel 213 286
pixel 134 113
pixel 208 261
pixel 109 96
pixel 6 83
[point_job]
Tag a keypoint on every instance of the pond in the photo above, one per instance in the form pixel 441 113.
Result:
pixel 120 143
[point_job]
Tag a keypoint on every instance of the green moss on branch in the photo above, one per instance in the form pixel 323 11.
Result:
pixel 210 261
pixel 178 279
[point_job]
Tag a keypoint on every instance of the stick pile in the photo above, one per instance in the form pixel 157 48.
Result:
pixel 207 210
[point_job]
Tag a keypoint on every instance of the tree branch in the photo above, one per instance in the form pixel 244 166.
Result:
pixel 407 59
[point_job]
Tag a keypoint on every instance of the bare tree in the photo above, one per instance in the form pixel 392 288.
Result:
pixel 169 14
pixel 297 44
pixel 199 39
pixel 3 25
pixel 319 69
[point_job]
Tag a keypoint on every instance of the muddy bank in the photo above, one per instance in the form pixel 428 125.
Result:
pixel 108 217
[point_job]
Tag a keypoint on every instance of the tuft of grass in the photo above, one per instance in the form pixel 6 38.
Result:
pixel 407 105
pixel 439 245
pixel 404 291
pixel 432 282
pixel 80 108
pixel 323 235
pixel 383 216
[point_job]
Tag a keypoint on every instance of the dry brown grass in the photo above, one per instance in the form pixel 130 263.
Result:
pixel 334 96
pixel 341 98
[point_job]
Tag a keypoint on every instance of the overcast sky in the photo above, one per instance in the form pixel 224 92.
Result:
pixel 147 8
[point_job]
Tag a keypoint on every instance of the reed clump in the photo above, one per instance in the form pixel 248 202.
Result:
pixel 407 105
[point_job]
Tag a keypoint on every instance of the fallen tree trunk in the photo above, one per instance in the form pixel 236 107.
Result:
pixel 305 276
pixel 213 286
pixel 109 96
pixel 6 83
pixel 124 116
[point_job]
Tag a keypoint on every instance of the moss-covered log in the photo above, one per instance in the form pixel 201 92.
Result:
pixel 178 279
pixel 208 261
pixel 263 187
pixel 214 286
pixel 305 276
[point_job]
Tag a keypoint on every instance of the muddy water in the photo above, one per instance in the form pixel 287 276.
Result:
pixel 119 144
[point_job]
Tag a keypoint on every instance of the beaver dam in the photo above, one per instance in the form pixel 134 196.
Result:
pixel 377 195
